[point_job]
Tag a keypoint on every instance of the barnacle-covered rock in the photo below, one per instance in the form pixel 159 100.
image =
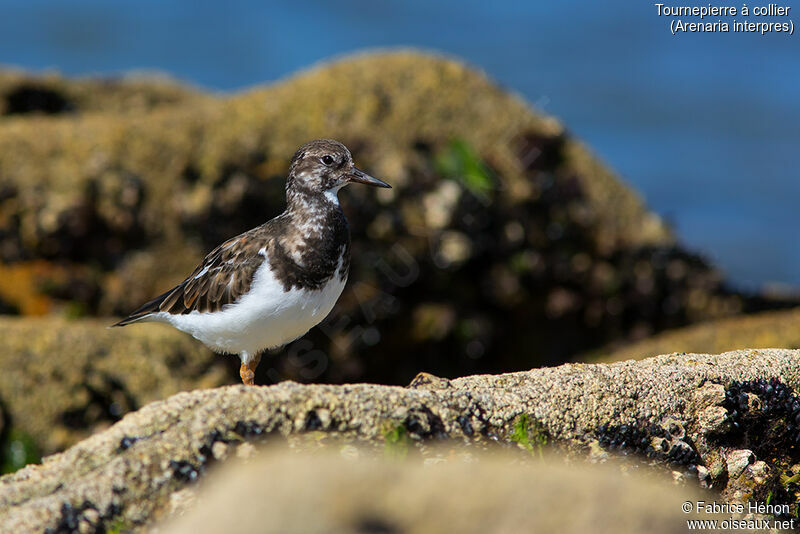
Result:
pixel 738 460
pixel 642 410
pixel 713 420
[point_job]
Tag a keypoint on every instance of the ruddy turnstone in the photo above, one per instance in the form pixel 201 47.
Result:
pixel 272 284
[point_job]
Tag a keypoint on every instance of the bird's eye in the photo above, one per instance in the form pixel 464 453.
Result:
pixel 327 160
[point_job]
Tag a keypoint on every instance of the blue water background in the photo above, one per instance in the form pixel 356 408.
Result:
pixel 705 126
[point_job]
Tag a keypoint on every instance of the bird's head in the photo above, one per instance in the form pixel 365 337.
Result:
pixel 324 166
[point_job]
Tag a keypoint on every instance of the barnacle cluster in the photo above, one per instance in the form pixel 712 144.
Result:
pixel 764 415
pixel 83 518
pixel 665 442
pixel 190 471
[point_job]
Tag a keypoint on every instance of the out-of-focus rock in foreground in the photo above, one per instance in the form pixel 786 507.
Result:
pixel 468 493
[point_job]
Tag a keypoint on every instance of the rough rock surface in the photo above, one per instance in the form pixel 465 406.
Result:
pixel 62 380
pixel 682 410
pixel 101 209
pixel 466 493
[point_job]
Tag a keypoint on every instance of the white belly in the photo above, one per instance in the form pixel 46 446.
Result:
pixel 265 317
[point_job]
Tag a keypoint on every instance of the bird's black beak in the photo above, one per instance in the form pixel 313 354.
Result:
pixel 361 177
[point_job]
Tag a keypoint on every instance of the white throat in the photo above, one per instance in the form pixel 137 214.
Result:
pixel 332 194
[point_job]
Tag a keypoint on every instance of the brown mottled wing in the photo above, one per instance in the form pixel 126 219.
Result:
pixel 222 278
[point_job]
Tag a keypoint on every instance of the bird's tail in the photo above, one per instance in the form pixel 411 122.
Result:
pixel 129 320
pixel 145 310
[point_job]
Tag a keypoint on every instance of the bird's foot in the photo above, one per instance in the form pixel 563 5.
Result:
pixel 248 371
pixel 247 374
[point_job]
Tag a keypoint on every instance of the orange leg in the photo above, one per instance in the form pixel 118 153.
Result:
pixel 248 371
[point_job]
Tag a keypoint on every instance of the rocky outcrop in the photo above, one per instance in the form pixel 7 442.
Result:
pixel 25 95
pixel 780 329
pixel 503 245
pixel 62 380
pixel 723 421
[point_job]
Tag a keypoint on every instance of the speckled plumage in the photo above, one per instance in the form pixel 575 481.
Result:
pixel 269 285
